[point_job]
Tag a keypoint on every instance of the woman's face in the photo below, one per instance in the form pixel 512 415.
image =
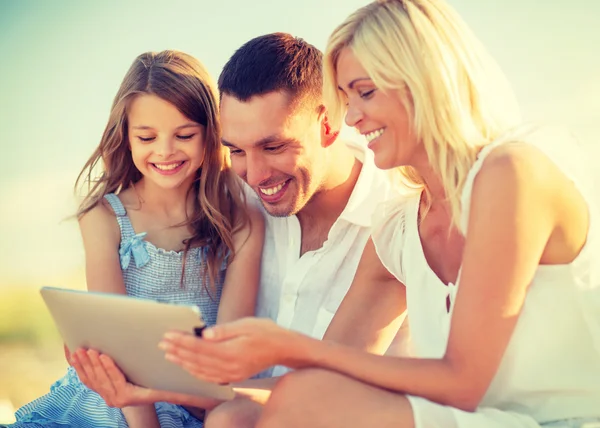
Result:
pixel 381 117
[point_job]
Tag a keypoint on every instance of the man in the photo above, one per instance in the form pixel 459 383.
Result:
pixel 319 192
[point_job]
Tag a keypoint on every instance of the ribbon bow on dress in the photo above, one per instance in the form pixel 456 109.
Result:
pixel 135 247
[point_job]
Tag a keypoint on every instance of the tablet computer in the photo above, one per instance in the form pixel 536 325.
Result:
pixel 128 329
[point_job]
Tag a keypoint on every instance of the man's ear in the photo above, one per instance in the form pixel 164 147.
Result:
pixel 328 135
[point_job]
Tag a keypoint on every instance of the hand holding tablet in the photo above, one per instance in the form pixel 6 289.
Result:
pixel 129 330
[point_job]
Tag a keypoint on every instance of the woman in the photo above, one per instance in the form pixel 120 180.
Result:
pixel 495 246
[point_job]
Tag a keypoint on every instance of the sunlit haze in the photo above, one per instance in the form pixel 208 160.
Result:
pixel 62 62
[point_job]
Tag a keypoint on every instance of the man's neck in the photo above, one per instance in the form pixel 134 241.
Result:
pixel 326 206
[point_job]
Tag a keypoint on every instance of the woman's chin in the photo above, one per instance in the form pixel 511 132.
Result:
pixel 382 162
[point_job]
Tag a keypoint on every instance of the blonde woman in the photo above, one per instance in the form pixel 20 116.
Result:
pixel 496 246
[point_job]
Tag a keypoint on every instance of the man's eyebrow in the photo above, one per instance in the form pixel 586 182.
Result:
pixel 228 144
pixel 354 82
pixel 275 138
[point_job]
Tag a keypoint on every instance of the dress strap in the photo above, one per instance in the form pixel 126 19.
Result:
pixel 122 218
pixel 514 135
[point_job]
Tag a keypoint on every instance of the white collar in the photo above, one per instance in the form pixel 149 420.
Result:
pixel 371 188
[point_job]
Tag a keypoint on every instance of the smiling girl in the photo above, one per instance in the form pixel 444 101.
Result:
pixel 165 220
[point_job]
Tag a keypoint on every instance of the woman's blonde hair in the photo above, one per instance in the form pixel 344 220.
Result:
pixel 422 51
pixel 218 200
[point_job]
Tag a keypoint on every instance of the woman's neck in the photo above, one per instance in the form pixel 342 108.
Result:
pixel 431 180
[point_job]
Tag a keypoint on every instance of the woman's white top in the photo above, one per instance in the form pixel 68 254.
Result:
pixel 551 367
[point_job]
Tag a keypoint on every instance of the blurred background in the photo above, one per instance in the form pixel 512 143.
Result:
pixel 62 62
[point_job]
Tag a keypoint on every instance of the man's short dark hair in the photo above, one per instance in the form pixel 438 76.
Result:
pixel 274 62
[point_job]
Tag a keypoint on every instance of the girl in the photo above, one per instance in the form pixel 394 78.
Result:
pixel 496 247
pixel 166 220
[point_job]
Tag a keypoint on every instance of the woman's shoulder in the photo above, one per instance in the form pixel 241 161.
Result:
pixel 533 149
pixel 537 174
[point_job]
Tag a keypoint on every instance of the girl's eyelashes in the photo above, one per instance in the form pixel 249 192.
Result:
pixel 179 137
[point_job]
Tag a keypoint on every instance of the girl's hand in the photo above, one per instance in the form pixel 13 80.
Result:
pixel 100 374
pixel 232 352
pixel 67 354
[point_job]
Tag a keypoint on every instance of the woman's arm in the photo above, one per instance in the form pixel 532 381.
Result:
pixel 517 206
pixel 101 237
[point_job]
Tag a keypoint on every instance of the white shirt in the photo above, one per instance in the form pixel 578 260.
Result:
pixel 302 293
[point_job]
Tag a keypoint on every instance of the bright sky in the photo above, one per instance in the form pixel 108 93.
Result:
pixel 62 62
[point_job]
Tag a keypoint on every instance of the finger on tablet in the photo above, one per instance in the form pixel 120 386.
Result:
pixel 108 389
pixel 79 370
pixel 85 364
pixel 113 372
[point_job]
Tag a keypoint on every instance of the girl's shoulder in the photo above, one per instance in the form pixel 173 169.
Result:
pixel 99 224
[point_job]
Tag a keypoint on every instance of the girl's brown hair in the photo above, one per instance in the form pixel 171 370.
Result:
pixel 218 198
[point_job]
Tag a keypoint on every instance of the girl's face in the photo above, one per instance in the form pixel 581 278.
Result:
pixel 166 147
pixel 381 117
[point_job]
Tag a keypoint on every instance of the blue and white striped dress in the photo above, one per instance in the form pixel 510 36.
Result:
pixel 149 272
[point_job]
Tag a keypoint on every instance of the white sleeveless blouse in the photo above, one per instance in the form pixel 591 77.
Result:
pixel 551 368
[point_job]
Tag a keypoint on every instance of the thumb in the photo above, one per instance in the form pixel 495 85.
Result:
pixel 225 331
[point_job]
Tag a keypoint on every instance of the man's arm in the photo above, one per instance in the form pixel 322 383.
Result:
pixel 373 310
pixel 369 327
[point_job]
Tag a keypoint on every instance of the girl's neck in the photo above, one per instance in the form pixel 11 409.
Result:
pixel 173 203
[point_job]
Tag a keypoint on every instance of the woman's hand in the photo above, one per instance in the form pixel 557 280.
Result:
pixel 232 352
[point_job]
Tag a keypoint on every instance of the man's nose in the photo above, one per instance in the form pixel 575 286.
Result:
pixel 257 169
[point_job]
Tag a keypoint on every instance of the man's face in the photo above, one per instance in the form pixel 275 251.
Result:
pixel 275 148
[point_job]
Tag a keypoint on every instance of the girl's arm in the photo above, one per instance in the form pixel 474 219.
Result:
pixel 522 213
pixel 101 237
pixel 100 373
pixel 238 297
